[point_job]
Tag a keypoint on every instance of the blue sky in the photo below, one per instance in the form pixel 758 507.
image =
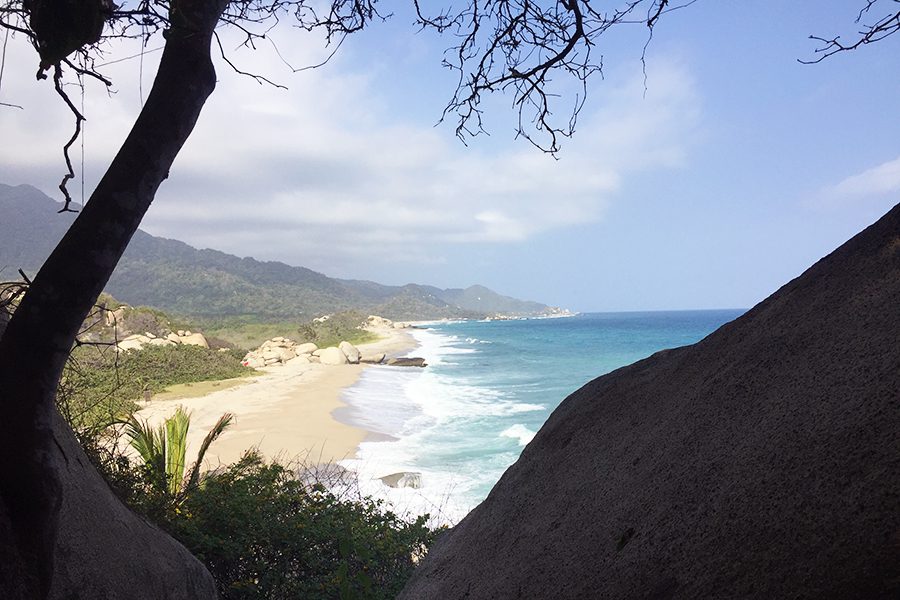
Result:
pixel 731 173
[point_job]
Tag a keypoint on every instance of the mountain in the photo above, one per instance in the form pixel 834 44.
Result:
pixel 761 462
pixel 176 277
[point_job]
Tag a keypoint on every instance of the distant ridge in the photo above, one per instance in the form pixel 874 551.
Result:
pixel 176 277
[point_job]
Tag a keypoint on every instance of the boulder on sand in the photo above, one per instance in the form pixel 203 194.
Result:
pixel 286 354
pixel 307 348
pixel 350 351
pixel 372 359
pixel 333 356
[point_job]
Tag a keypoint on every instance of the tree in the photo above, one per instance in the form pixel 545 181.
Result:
pixel 50 499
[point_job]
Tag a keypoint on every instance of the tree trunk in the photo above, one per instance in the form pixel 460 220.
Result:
pixel 44 476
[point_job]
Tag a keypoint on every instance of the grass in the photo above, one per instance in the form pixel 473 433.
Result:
pixel 249 335
pixel 197 389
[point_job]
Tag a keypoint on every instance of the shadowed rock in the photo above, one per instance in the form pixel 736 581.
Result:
pixel 103 550
pixel 761 462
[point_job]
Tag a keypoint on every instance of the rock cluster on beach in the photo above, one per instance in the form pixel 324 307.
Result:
pixel 280 350
pixel 139 340
pixel 374 323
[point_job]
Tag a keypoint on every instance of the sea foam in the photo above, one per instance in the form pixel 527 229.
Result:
pixel 519 432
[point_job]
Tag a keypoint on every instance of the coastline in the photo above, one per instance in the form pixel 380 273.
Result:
pixel 286 412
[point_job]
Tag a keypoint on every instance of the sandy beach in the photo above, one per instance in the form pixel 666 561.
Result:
pixel 286 412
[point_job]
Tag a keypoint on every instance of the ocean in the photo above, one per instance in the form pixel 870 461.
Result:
pixel 487 389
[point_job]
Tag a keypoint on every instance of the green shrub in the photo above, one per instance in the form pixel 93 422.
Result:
pixel 99 387
pixel 263 533
pixel 343 326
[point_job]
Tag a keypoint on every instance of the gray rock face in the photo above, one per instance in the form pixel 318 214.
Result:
pixel 103 550
pixel 761 462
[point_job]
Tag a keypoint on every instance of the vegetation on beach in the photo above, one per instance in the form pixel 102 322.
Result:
pixel 247 331
pixel 102 386
pixel 163 450
pixel 331 331
pixel 263 530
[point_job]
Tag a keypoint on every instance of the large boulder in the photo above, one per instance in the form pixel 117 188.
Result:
pixel 375 358
pixel 350 351
pixel 133 342
pixel 307 348
pixel 332 356
pixel 102 549
pixel 194 339
pixel 761 462
pixel 286 354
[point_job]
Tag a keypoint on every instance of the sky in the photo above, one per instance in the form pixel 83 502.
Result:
pixel 724 174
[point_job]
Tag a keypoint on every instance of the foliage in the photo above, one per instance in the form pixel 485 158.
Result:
pixel 163 450
pixel 247 332
pixel 100 386
pixel 264 533
pixel 144 319
pixel 343 326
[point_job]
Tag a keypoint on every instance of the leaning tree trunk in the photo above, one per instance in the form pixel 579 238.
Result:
pixel 62 532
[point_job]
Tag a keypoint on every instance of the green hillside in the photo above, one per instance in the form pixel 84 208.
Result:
pixel 213 285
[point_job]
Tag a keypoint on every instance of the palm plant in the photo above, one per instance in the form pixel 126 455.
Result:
pixel 163 450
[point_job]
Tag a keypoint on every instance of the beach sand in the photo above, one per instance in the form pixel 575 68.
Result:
pixel 286 412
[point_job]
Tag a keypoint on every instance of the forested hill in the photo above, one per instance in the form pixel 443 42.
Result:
pixel 176 277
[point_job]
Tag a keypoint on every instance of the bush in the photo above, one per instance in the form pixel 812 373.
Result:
pixel 344 326
pixel 99 387
pixel 263 533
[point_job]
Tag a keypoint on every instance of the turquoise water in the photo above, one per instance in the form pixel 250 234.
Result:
pixel 488 388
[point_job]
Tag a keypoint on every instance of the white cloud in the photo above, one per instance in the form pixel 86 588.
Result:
pixel 331 170
pixel 883 179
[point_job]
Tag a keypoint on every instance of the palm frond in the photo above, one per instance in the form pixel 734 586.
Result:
pixel 141 437
pixel 150 444
pixel 176 438
pixel 217 430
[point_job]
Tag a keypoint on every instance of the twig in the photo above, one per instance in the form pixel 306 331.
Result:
pixel 57 84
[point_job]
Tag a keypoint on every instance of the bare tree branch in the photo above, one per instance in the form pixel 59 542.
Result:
pixel 886 25
pixel 58 86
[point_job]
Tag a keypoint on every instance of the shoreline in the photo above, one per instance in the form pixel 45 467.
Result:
pixel 286 412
